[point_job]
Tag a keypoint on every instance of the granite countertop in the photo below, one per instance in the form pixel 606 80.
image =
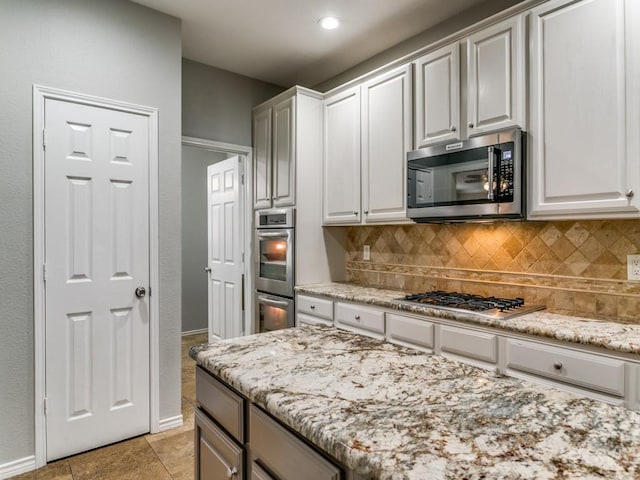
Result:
pixel 390 412
pixel 619 337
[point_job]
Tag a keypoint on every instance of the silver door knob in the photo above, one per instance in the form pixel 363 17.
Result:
pixel 232 472
pixel 557 365
pixel 452 128
pixel 470 124
pixel 629 193
pixel 207 269
pixel 140 292
pixel 357 317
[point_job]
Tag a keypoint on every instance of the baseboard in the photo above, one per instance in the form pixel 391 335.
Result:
pixel 170 423
pixel 22 465
pixel 194 332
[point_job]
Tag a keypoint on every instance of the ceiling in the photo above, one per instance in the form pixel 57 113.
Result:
pixel 280 41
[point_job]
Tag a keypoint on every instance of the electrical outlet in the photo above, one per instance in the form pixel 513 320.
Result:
pixel 366 253
pixel 633 267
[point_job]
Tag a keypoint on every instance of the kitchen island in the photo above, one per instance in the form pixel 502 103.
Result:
pixel 391 412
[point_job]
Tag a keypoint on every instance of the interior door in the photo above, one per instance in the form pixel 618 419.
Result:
pixel 225 217
pixel 97 255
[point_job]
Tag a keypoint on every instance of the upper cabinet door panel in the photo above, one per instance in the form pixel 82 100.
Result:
pixel 284 153
pixel 342 157
pixel 262 158
pixel 386 138
pixel 584 159
pixel 437 101
pixel 495 77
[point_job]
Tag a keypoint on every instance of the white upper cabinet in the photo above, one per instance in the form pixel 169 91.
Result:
pixel 449 107
pixel 341 191
pixel 585 102
pixel 386 138
pixel 284 153
pixel 274 154
pixel 437 100
pixel 496 77
pixel 262 158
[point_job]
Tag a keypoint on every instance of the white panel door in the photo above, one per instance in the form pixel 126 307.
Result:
pixel 437 107
pixel 585 98
pixel 495 77
pixel 97 254
pixel 386 137
pixel 262 158
pixel 341 183
pixel 284 153
pixel 224 213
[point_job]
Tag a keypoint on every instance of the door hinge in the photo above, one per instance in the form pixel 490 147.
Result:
pixel 44 139
pixel 243 258
pixel 242 179
pixel 45 405
pixel 149 290
pixel 44 272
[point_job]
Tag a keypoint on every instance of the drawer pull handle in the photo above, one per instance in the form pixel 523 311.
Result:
pixel 357 317
pixel 232 472
pixel 312 307
pixel 557 365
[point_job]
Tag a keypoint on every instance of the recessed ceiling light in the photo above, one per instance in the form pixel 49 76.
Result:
pixel 329 23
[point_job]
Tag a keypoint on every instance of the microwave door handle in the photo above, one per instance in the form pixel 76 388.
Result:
pixel 490 155
pixel 273 303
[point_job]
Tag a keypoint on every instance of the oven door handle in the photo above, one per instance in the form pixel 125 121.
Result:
pixel 273 303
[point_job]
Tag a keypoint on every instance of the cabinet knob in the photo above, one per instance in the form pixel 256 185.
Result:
pixel 366 212
pixel 232 472
pixel 355 213
pixel 312 307
pixel 470 124
pixel 452 128
pixel 557 365
pixel 357 317
pixel 629 193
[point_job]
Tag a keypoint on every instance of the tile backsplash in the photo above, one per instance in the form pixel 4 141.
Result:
pixel 573 267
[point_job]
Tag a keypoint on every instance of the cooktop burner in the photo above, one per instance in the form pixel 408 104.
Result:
pixel 490 307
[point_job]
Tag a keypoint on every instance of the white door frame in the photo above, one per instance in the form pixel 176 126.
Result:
pixel 247 229
pixel 40 94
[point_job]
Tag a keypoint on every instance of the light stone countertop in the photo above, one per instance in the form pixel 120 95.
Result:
pixel 619 337
pixel 390 412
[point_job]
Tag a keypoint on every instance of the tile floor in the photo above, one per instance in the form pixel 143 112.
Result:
pixel 164 456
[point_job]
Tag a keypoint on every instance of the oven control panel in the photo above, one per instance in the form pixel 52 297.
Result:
pixel 505 191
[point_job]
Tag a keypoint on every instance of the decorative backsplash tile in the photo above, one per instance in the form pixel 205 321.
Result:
pixel 574 267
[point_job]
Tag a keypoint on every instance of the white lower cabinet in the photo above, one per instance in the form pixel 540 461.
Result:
pixel 313 311
pixel 366 320
pixel 469 346
pixel 304 319
pixel 409 331
pixel 563 365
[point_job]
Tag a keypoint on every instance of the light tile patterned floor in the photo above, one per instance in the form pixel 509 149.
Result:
pixel 164 456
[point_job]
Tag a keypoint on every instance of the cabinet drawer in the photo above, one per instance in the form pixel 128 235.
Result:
pixel 468 343
pixel 408 330
pixel 216 455
pixel 221 403
pixel 257 473
pixel 302 319
pixel 360 317
pixel 318 307
pixel 579 368
pixel 285 455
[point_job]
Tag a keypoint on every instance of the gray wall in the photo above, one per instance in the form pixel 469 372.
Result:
pixel 194 235
pixel 444 29
pixel 109 48
pixel 216 104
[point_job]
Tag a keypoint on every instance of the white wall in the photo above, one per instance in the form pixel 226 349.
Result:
pixel 108 48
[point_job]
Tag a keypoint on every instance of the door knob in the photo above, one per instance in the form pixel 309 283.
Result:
pixel 207 269
pixel 140 292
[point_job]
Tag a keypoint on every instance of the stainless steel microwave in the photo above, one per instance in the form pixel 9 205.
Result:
pixel 482 178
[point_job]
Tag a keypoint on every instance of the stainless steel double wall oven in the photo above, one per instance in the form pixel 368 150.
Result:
pixel 274 269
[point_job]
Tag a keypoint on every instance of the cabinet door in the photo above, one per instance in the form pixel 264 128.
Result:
pixel 341 188
pixel 495 77
pixel 216 455
pixel 585 160
pixel 386 138
pixel 257 473
pixel 437 107
pixel 262 158
pixel 284 153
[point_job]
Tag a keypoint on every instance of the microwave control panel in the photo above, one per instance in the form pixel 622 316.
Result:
pixel 505 191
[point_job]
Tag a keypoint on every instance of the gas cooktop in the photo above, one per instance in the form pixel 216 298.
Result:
pixel 488 307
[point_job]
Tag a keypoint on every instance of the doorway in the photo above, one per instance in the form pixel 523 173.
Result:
pixel 197 155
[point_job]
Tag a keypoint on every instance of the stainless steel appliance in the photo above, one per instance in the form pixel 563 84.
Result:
pixel 273 312
pixel 274 269
pixel 482 178
pixel 487 307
